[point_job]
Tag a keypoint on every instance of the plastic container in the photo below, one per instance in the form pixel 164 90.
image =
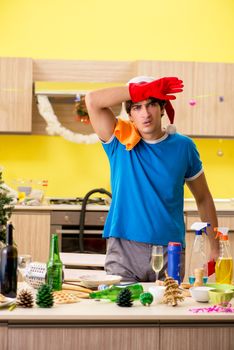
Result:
pixel 200 294
pixel 198 258
pixel 217 296
pixel 224 263
pixel 158 293
pixel 174 260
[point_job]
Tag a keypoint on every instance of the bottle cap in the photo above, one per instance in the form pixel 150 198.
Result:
pixel 200 227
pixel 222 233
pixel 174 243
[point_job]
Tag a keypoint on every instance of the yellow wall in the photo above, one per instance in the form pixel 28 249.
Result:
pixel 219 170
pixel 118 30
pixel 71 169
pixel 104 30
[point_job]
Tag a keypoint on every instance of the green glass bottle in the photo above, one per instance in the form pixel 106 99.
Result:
pixel 54 276
pixel 113 292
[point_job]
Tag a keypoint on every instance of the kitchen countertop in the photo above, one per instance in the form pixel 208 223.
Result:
pixel 64 207
pixel 222 205
pixel 88 310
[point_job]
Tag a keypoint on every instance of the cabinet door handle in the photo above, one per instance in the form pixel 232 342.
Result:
pixel 102 218
pixel 66 218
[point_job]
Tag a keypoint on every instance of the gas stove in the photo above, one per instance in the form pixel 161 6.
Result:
pixel 79 201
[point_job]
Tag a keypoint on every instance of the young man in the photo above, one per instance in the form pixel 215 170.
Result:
pixel 149 167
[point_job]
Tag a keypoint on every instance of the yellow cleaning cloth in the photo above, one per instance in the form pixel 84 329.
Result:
pixel 127 133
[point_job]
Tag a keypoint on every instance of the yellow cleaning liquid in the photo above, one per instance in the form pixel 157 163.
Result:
pixel 223 270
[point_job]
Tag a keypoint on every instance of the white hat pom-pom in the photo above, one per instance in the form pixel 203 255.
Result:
pixel 123 114
pixel 171 129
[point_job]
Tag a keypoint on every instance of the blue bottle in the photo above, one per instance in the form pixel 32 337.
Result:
pixel 174 260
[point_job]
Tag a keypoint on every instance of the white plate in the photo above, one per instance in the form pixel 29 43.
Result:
pixel 95 280
pixel 7 302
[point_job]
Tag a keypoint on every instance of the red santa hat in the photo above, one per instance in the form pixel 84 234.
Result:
pixel 171 129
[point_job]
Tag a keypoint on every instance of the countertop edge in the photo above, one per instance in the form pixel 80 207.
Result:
pixel 188 208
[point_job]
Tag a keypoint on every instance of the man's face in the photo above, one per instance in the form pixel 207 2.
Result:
pixel 146 116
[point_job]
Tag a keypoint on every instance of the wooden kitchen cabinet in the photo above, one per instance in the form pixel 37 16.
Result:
pixel 210 85
pixel 3 336
pixel 124 337
pixel 32 233
pixel 194 338
pixel 60 338
pixel 16 81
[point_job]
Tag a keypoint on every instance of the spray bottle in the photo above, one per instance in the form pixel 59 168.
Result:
pixel 198 259
pixel 224 264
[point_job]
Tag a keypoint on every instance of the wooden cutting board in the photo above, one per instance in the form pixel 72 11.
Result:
pixel 76 287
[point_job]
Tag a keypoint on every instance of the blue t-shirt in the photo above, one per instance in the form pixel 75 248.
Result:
pixel 148 188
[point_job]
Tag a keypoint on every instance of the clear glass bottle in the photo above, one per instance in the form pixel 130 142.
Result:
pixel 9 261
pixel 224 263
pixel 113 292
pixel 54 276
pixel 198 258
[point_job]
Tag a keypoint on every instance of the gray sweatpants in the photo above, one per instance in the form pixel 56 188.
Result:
pixel 132 261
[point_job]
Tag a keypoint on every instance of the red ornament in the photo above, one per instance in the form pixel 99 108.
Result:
pixel 82 119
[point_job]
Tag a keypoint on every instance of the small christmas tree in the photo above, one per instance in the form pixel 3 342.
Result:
pixel 5 209
pixel 172 292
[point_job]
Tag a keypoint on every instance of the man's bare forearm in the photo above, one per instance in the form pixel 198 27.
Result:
pixel 207 212
pixel 206 209
pixel 109 97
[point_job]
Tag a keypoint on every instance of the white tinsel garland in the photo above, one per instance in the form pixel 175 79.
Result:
pixel 54 127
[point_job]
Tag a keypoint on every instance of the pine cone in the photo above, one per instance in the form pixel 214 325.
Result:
pixel 124 298
pixel 25 298
pixel 45 296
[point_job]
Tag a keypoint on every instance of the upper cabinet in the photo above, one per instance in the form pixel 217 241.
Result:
pixel 16 78
pixel 205 108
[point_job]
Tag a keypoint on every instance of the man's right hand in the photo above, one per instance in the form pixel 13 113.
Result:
pixel 160 89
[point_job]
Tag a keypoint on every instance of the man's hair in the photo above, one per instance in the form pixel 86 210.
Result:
pixel 129 103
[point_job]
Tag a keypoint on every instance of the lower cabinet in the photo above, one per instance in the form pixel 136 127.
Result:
pixel 3 337
pixel 84 338
pixel 32 233
pixel 197 337
pixel 124 337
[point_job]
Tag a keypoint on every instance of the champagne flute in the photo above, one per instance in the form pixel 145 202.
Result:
pixel 157 258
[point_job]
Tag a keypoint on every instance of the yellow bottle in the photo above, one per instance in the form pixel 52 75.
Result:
pixel 224 264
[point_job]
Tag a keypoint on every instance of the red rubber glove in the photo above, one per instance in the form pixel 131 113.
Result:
pixel 211 267
pixel 159 88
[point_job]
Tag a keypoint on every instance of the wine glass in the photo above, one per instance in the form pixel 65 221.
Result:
pixel 157 258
